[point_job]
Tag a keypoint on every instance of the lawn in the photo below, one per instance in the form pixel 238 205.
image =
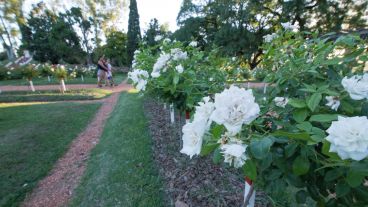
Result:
pixel 121 170
pixel 118 78
pixel 33 136
pixel 75 94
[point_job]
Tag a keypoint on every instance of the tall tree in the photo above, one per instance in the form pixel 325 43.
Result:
pixel 9 14
pixel 152 31
pixel 76 17
pixel 238 26
pixel 134 31
pixel 53 37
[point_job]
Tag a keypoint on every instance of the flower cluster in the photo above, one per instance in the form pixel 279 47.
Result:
pixel 139 78
pixel 162 62
pixel 349 137
pixel 231 108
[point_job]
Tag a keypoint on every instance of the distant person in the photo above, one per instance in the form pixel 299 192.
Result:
pixel 101 72
pixel 109 73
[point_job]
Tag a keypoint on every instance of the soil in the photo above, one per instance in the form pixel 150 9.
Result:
pixel 192 182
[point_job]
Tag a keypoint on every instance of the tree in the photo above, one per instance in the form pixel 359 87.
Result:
pixel 8 30
pixel 154 29
pixel 76 17
pixel 116 48
pixel 134 31
pixel 53 37
pixel 237 27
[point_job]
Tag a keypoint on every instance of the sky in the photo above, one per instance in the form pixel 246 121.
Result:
pixel 165 11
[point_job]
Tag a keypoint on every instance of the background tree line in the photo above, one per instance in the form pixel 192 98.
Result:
pixel 237 27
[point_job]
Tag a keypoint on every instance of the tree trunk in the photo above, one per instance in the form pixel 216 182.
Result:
pixel 10 47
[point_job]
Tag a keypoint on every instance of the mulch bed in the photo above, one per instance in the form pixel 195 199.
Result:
pixel 192 182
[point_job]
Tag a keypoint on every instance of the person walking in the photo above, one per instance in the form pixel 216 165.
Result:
pixel 109 73
pixel 101 72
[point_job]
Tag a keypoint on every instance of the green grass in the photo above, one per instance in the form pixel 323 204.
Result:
pixel 118 78
pixel 76 94
pixel 32 138
pixel 121 171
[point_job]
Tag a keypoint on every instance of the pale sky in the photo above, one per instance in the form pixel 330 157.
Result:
pixel 163 10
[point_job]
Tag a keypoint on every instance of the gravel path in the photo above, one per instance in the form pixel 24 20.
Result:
pixel 57 188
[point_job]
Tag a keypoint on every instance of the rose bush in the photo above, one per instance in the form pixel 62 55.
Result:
pixel 305 142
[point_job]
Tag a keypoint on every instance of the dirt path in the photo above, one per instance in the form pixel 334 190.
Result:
pixel 57 188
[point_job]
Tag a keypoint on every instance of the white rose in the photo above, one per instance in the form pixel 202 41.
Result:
pixel 204 110
pixel 139 78
pixel 356 86
pixel 160 63
pixel 193 137
pixel 289 26
pixel 8 72
pixel 193 44
pixel 234 154
pixel 281 101
pixel 178 54
pixel 158 38
pixel 235 107
pixel 349 137
pixel 179 69
pixel 333 102
pixel 270 37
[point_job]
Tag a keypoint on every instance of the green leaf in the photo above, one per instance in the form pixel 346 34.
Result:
pixel 260 147
pixel 297 103
pixel 217 156
pixel 323 89
pixel 208 148
pixel 176 79
pixel 364 110
pixel 301 196
pixel 324 117
pixel 290 149
pixel 313 101
pixel 354 178
pixel 305 126
pixel 333 174
pixel 326 150
pixel 342 189
pixel 300 136
pixel 301 166
pixel 300 115
pixel 217 131
pixel 250 169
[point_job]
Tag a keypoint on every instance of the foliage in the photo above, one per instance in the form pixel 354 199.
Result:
pixel 237 27
pixel 115 48
pixel 134 31
pixel 29 72
pixel 60 72
pixel 62 42
pixel 186 87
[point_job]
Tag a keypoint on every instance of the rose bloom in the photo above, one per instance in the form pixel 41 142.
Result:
pixel 333 102
pixel 204 111
pixel 281 101
pixel 356 86
pixel 235 107
pixel 179 69
pixel 193 137
pixel 234 154
pixel 349 137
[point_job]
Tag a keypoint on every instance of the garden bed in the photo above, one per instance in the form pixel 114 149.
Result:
pixel 197 181
pixel 76 94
